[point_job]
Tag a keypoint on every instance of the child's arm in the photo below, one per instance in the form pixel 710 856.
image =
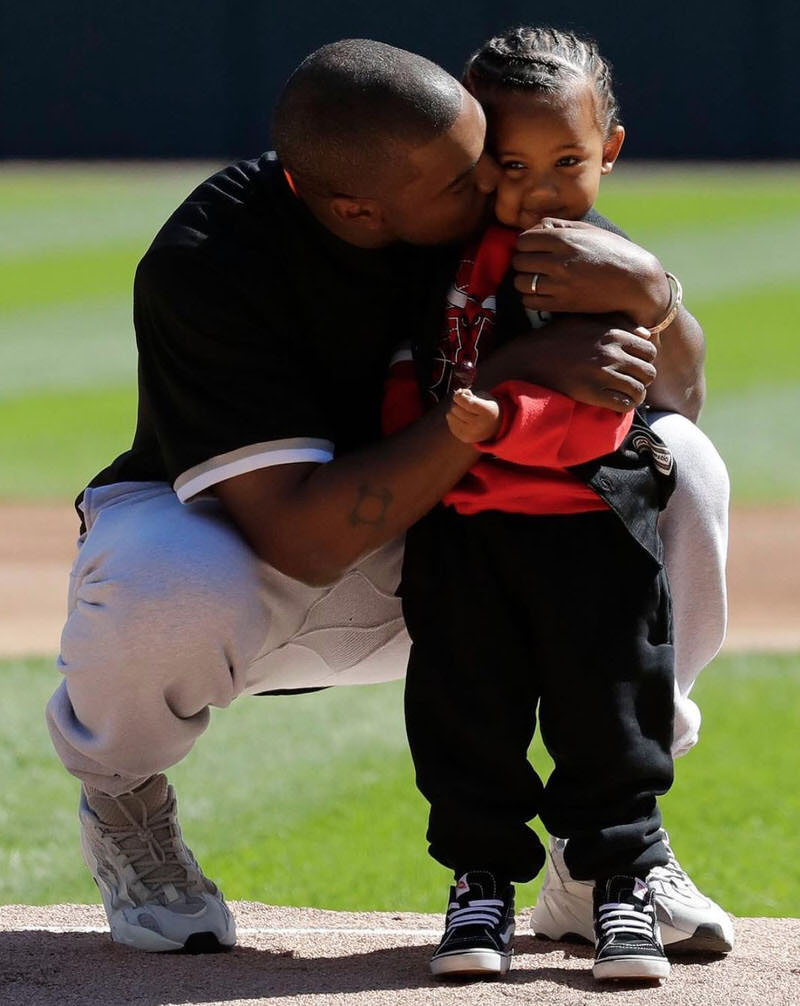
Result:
pixel 535 426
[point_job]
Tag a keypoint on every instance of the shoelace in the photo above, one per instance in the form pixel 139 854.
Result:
pixel 622 917
pixel 475 912
pixel 154 860
pixel 672 874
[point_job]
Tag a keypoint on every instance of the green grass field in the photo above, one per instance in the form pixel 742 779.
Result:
pixel 70 238
pixel 310 800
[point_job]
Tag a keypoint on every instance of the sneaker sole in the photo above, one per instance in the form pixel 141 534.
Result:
pixel 471 963
pixel 205 943
pixel 706 939
pixel 631 969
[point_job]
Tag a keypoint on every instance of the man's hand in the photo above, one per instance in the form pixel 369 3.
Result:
pixel 599 360
pixel 584 269
pixel 473 417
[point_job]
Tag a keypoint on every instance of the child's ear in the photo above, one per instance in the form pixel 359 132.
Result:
pixel 611 149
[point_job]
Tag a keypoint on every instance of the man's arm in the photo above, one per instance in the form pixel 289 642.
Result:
pixel 313 521
pixel 586 269
pixel 680 385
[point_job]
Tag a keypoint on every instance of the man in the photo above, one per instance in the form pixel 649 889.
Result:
pixel 266 310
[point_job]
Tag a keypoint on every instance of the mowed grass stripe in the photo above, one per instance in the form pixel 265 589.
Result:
pixel 722 259
pixel 755 431
pixel 27 189
pixel 65 324
pixel 739 786
pixel 42 198
pixel 52 443
pixel 61 347
pixel 65 277
pixel 751 337
pixel 729 259
pixel 685 198
pixel 309 800
pixel 736 253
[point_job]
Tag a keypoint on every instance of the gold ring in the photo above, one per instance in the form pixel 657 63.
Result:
pixel 534 282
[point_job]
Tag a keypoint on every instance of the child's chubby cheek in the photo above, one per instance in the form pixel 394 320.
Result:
pixel 507 206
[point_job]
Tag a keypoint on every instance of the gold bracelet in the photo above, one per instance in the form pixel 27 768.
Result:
pixel 675 301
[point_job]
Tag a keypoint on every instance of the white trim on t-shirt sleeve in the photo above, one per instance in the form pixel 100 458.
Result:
pixel 250 459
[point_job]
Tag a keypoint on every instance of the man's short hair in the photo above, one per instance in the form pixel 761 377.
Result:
pixel 352 109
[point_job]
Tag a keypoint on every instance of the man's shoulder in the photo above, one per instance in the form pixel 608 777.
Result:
pixel 230 219
pixel 224 207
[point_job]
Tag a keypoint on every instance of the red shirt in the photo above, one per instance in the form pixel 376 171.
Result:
pixel 524 468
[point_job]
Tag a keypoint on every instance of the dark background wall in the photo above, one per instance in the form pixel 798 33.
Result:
pixel 197 78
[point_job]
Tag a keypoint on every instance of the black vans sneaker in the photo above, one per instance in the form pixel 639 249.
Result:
pixel 627 940
pixel 479 929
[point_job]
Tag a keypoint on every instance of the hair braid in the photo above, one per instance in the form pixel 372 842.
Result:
pixel 543 60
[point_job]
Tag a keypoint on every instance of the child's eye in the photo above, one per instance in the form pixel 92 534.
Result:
pixel 567 162
pixel 513 166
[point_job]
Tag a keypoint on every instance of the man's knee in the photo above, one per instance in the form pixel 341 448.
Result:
pixel 160 600
pixel 694 528
pixel 166 614
pixel 702 476
pixel 115 744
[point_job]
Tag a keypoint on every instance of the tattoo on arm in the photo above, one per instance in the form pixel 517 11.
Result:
pixel 370 506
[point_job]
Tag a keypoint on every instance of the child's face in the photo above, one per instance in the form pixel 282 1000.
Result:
pixel 551 153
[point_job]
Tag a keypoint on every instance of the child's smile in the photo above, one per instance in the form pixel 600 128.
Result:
pixel 551 153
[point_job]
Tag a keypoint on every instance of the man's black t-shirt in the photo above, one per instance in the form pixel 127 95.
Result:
pixel 263 338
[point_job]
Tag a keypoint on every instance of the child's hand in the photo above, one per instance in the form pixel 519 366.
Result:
pixel 473 418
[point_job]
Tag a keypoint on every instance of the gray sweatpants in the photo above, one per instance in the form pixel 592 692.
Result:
pixel 170 612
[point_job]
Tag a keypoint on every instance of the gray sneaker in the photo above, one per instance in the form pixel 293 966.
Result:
pixel 154 893
pixel 689 921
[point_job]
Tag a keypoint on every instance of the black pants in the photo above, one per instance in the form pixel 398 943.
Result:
pixel 508 612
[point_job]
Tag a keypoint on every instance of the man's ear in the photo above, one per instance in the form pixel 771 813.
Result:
pixel 611 149
pixel 363 213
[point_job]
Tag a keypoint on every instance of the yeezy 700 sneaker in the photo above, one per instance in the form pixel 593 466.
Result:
pixel 627 941
pixel 154 893
pixel 479 929
pixel 689 921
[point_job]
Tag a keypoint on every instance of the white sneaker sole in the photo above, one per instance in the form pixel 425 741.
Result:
pixel 563 918
pixel 631 969
pixel 471 963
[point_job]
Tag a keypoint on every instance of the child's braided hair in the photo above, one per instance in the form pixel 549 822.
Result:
pixel 542 60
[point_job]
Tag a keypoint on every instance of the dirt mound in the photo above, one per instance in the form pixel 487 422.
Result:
pixel 61 956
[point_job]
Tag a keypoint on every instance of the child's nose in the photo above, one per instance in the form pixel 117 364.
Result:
pixel 541 191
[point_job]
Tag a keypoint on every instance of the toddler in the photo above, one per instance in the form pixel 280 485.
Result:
pixel 538 582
